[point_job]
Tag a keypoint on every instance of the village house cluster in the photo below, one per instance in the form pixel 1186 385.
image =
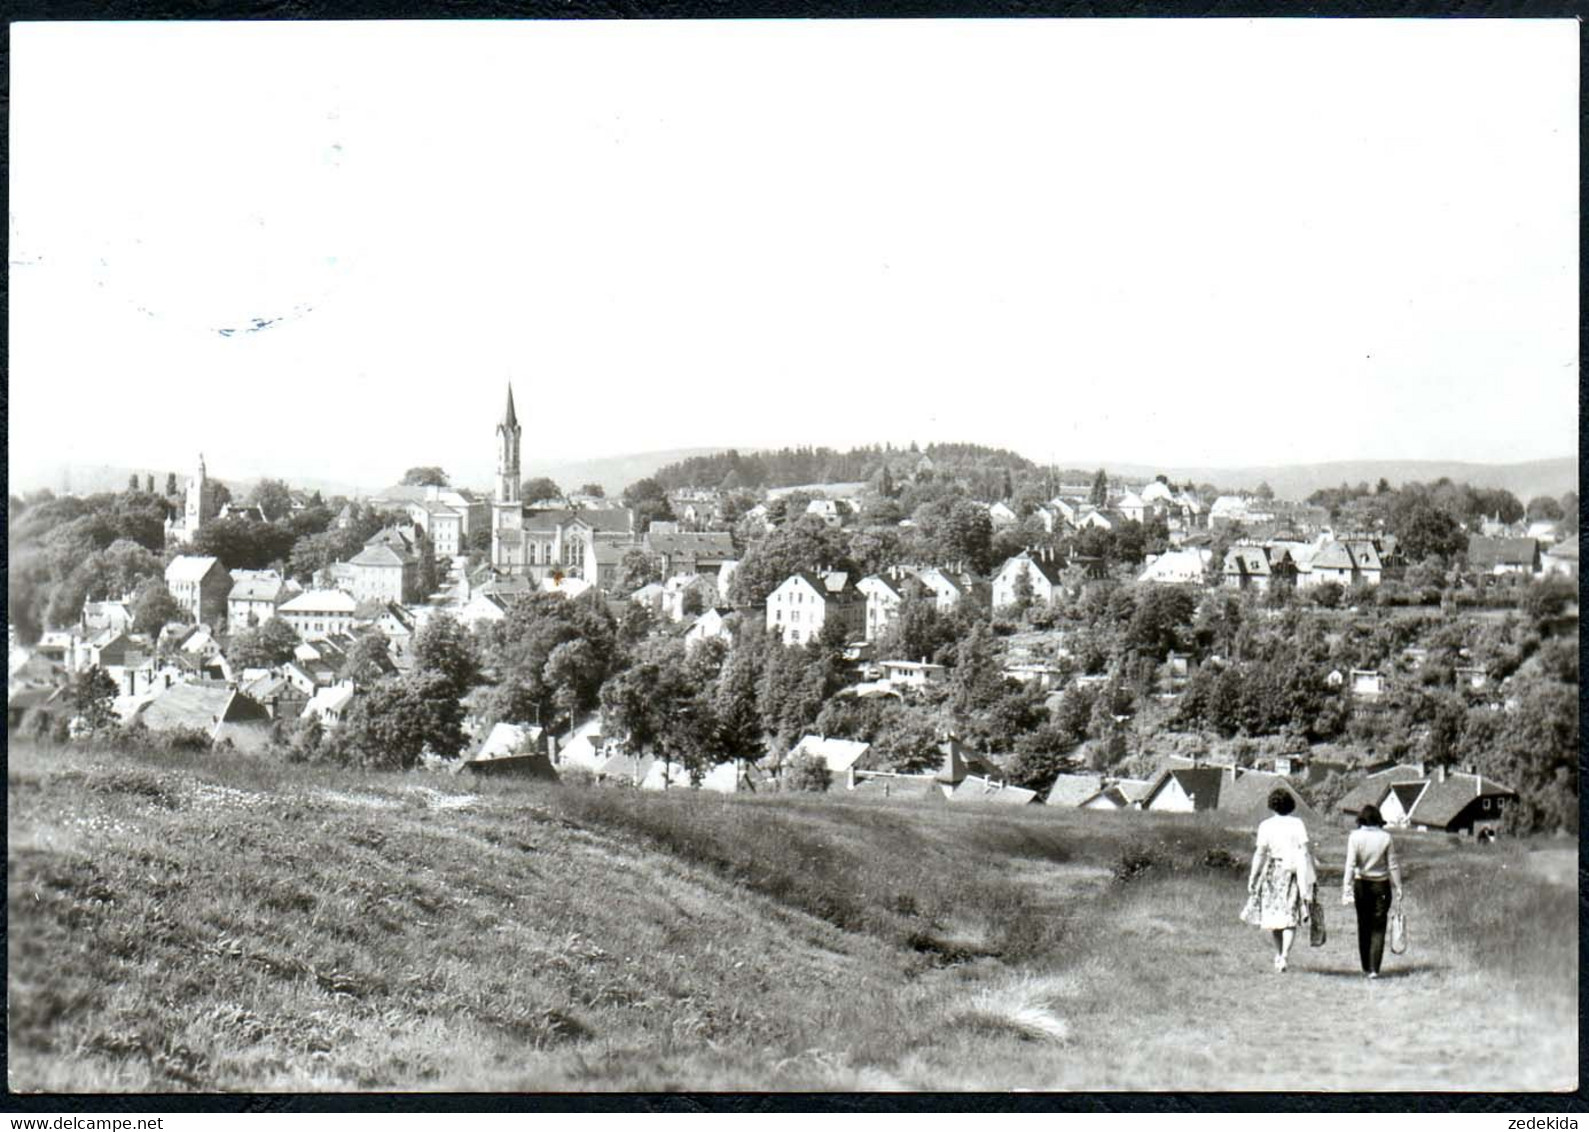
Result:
pixel 571 545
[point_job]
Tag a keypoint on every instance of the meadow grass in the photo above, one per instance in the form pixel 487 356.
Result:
pixel 226 923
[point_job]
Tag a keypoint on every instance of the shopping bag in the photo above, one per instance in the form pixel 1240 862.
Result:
pixel 1398 932
pixel 1252 911
pixel 1316 932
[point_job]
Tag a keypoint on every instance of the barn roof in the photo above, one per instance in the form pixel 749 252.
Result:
pixel 1441 802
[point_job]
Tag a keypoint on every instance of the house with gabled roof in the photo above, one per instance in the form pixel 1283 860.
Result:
pixel 200 585
pixel 254 598
pixel 804 603
pixel 1497 556
pixel 1118 794
pixel 884 596
pixel 1346 563
pixel 1185 790
pixel 1042 571
pixel 1248 566
pixel 1561 560
pixel 221 712
pixel 1071 790
pixel 691 552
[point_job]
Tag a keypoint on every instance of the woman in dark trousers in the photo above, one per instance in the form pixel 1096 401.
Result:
pixel 1372 880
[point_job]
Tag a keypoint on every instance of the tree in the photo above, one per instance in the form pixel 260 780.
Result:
pixel 1264 491
pixel 1425 529
pixel 171 483
pixel 132 482
pixel 638 569
pixel 538 488
pixel 273 497
pixel 443 646
pixel 884 482
pixel 1099 496
pixel 92 694
pixel 968 536
pixel 392 724
pixel 593 489
pixel 428 579
pixel 148 484
pixel 806 544
pixel 1543 507
pixel 154 607
pixel 807 773
pixel 265 646
pixel 426 475
pixel 1569 512
pixel 649 498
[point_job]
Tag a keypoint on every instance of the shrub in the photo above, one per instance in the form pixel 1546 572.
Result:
pixel 807 772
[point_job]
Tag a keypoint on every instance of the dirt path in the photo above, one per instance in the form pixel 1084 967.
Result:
pixel 1189 1000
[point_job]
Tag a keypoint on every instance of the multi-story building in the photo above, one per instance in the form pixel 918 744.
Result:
pixel 804 603
pixel 200 585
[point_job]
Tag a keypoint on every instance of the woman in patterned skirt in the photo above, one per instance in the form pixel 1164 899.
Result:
pixel 1283 875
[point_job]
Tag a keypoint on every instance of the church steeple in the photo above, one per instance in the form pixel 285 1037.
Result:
pixel 508 433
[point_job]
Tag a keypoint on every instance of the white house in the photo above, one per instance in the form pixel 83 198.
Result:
pixel 913 673
pixel 1186 567
pixel 803 603
pixel 1041 572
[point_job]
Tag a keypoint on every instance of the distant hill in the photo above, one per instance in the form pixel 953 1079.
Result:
pixel 1298 481
pixel 1550 477
pixel 614 473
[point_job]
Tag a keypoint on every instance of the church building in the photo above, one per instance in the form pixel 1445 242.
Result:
pixel 200 508
pixel 586 544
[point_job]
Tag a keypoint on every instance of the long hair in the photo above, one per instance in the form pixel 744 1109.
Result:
pixel 1370 816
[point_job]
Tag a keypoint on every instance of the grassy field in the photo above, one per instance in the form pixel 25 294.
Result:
pixel 222 924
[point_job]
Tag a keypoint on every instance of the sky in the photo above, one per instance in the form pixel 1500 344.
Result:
pixel 322 249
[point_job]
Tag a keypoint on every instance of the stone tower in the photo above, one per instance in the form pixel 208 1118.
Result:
pixel 507 509
pixel 200 507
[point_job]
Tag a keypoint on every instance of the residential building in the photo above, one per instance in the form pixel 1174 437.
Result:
pixel 221 712
pixel 383 573
pixel 1188 567
pixel 199 585
pixel 713 625
pixel 101 615
pixel 1561 560
pixel 690 552
pixel 1003 516
pixel 839 754
pixel 915 674
pixel 1346 563
pixel 254 598
pixel 1249 566
pixel 319 613
pixel 330 705
pixel 1445 800
pixel 883 599
pixel 1042 576
pixel 827 510
pixel 804 602
pixel 687 595
pixel 1499 556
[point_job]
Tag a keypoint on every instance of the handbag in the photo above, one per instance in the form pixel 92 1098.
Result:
pixel 1316 933
pixel 1398 932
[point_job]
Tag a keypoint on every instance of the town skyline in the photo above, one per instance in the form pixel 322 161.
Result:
pixel 1381 270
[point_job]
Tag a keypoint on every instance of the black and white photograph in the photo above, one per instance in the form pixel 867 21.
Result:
pixel 793 556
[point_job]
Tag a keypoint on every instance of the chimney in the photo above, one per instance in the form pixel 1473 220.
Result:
pixel 1440 774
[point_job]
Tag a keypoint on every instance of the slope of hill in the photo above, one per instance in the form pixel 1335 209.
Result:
pixel 218 923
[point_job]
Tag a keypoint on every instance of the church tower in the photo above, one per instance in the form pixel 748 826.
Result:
pixel 200 507
pixel 507 509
